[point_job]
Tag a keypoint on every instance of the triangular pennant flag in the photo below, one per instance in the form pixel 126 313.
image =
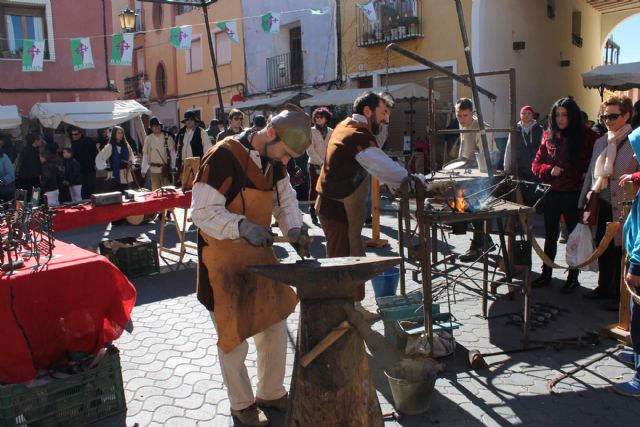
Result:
pixel 81 53
pixel 32 55
pixel 271 22
pixel 122 49
pixel 320 11
pixel 180 37
pixel 369 9
pixel 230 28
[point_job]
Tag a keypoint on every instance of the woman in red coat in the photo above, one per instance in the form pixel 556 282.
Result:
pixel 562 161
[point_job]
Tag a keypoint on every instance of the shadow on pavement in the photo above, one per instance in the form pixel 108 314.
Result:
pixel 165 286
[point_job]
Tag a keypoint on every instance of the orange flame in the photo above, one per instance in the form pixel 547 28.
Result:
pixel 461 203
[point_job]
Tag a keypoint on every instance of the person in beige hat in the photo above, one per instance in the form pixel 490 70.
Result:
pixel 241 183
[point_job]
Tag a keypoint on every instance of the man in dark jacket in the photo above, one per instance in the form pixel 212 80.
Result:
pixel 85 152
pixel 527 141
pixel 28 164
pixel 235 124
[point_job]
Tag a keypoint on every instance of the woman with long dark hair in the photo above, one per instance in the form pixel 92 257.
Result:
pixel 562 161
pixel 118 156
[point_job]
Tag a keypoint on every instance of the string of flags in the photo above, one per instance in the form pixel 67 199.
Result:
pixel 33 51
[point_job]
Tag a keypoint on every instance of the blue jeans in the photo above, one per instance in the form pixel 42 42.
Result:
pixel 635 334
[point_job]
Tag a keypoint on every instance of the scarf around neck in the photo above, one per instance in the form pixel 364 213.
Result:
pixel 119 154
pixel 606 160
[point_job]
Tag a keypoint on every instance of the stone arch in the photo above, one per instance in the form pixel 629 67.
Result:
pixel 610 21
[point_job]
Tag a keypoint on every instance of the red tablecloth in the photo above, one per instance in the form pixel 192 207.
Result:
pixel 78 302
pixel 70 218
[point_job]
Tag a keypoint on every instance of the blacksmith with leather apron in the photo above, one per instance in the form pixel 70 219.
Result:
pixel 352 155
pixel 241 183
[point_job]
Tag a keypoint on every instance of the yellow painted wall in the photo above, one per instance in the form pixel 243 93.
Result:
pixel 157 49
pixel 441 42
pixel 228 74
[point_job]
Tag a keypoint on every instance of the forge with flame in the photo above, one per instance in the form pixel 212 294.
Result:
pixel 460 202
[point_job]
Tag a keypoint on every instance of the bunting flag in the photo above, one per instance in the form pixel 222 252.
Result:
pixel 231 29
pixel 180 37
pixel 271 22
pixel 320 11
pixel 369 9
pixel 81 54
pixel 32 55
pixel 122 49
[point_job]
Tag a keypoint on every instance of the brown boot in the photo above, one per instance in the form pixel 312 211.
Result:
pixel 277 404
pixel 251 416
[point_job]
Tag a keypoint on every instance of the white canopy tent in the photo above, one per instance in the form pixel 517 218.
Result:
pixel 613 77
pixel 9 117
pixel 408 91
pixel 87 115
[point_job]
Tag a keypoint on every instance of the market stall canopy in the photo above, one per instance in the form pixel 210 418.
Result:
pixel 613 77
pixel 87 115
pixel 9 117
pixel 267 102
pixel 347 96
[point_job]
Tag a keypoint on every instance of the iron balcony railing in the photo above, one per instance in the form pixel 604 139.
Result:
pixel 285 70
pixel 395 20
pixel 134 86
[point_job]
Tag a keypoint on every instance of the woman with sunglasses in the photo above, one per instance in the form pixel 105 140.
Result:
pixel 612 164
pixel 561 162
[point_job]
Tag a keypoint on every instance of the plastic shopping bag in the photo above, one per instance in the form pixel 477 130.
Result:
pixel 580 247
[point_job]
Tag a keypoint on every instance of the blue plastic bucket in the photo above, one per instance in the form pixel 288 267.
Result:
pixel 386 284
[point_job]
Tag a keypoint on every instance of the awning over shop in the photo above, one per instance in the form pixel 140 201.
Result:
pixel 267 102
pixel 347 96
pixel 9 117
pixel 87 115
pixel 613 77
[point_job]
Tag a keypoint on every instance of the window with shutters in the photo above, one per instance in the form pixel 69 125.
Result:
pixel 161 82
pixel 222 49
pixel 194 56
pixel 18 23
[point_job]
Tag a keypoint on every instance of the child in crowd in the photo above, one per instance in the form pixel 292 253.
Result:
pixel 72 177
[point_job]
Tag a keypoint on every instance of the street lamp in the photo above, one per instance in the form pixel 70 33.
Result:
pixel 127 20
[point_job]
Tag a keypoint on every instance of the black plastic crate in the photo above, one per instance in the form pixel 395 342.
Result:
pixel 140 259
pixel 76 400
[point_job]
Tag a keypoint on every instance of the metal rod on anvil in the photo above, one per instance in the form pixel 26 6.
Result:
pixel 474 88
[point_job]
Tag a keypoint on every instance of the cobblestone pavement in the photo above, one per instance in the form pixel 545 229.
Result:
pixel 171 374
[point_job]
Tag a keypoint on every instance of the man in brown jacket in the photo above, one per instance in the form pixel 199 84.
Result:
pixel 352 155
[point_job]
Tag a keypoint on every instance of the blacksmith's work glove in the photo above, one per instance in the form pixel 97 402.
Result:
pixel 254 234
pixel 299 239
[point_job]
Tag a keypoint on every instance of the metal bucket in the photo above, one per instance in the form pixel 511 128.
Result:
pixel 412 382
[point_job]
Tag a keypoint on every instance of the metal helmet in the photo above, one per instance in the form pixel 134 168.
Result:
pixel 293 126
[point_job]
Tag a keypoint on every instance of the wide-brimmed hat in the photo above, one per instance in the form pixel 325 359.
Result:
pixel 189 115
pixel 155 122
pixel 293 126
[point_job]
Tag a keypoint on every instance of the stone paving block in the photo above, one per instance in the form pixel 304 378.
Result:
pixel 154 402
pixel 142 418
pixel 164 412
pixel 191 401
pixel 206 412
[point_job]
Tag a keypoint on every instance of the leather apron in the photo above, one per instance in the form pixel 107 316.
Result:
pixel 243 303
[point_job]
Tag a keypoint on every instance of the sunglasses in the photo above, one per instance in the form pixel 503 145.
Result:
pixel 612 116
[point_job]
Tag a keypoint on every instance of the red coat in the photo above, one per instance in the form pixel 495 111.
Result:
pixel 549 155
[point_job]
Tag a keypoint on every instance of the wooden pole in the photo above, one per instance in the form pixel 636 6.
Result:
pixel 620 330
pixel 376 241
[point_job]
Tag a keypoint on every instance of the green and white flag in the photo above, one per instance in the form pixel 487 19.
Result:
pixel 32 55
pixel 369 9
pixel 81 54
pixel 271 22
pixel 122 49
pixel 230 28
pixel 180 37
pixel 320 11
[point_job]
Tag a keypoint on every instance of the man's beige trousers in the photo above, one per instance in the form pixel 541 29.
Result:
pixel 271 346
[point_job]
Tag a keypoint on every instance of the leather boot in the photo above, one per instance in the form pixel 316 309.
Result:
pixel 571 284
pixel 544 279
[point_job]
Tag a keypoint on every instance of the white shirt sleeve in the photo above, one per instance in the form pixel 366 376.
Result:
pixel 145 163
pixel 378 164
pixel 209 213
pixel 287 212
pixel 206 141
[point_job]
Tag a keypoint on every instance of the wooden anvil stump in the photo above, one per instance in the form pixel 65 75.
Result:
pixel 335 388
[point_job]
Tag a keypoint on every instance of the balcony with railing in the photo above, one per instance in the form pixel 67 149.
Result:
pixel 285 70
pixel 396 20
pixel 134 87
